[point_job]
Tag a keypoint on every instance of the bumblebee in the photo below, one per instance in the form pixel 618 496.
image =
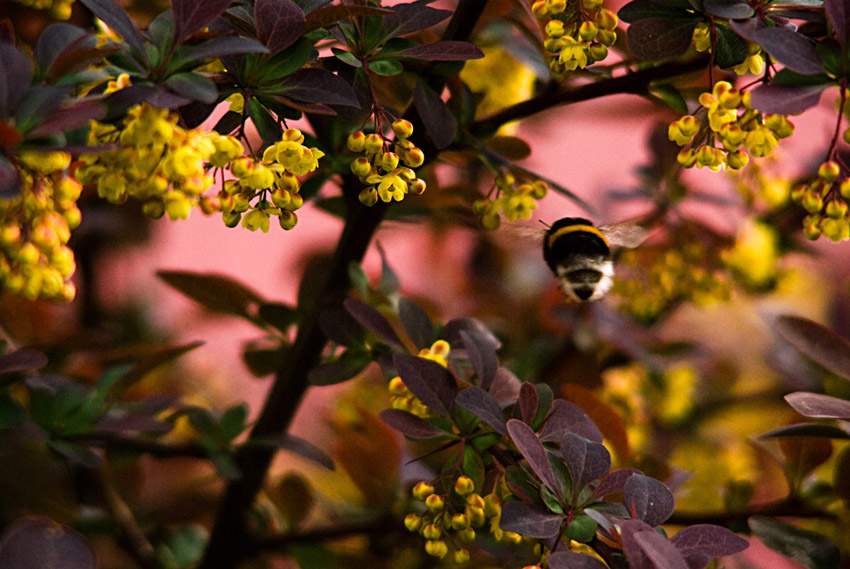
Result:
pixel 579 254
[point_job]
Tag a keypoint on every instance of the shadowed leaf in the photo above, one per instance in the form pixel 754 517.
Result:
pixel 341 327
pixel 566 417
pixel 837 12
pixel 654 39
pixel 803 546
pixel 648 499
pixel 279 23
pixel 117 19
pixel 407 18
pixel 369 317
pixel 433 384
pixel 216 292
pixel 329 15
pixel 732 49
pixel 732 9
pixel 817 342
pixel 16 74
pixel 442 51
pixel 191 16
pixel 452 330
pixel 41 542
pixel 644 9
pixel 435 115
pixel 484 406
pixel 306 449
pixel 350 363
pixel 807 430
pixel 23 359
pixel 409 424
pixel 193 86
pixel 319 86
pixel 482 356
pixel 73 115
pixel 416 323
pixel 530 520
pixel 532 450
pixel 571 560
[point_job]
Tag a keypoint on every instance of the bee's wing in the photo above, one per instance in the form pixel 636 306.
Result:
pixel 625 234
pixel 522 232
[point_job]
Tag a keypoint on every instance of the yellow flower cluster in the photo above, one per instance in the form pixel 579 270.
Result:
pixel 273 181
pixel 155 161
pixel 578 33
pixel 825 200
pixel 401 397
pixel 514 199
pixel 59 9
pixel 381 168
pixel 653 279
pixel 730 120
pixel 754 63
pixel 453 518
pixel 35 227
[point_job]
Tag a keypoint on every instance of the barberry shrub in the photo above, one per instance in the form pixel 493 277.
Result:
pixel 527 433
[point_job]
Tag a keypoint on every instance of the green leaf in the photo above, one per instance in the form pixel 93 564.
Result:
pixel 284 63
pixel 216 292
pixel 473 466
pixel 510 147
pixel 582 529
pixel 279 315
pixel 268 127
pixel 182 548
pixel 731 48
pixel 803 546
pixel 346 366
pixel 644 9
pixel 346 57
pixel 233 421
pixel 386 67
pixel 263 362
pixel 670 96
pixel 12 414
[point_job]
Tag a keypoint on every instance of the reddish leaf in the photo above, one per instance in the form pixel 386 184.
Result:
pixel 586 460
pixel 659 551
pixel 532 450
pixel 571 560
pixel 614 481
pixel 786 99
pixel 484 406
pixel 433 384
pixel 40 542
pixel 648 499
pixel 530 520
pixel 817 342
pixel 435 115
pixel 442 51
pixel 319 86
pixel 191 16
pixel 369 317
pixel 482 355
pixel 633 552
pixel 838 14
pixel 22 360
pixel 409 425
pixel 655 39
pixel 702 542
pixel 791 49
pixel 567 417
pixel 505 387
pixel 69 117
pixel 527 402
pixel 279 23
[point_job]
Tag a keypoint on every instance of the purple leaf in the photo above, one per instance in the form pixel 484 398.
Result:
pixel 368 317
pixel 648 499
pixel 15 78
pixel 527 402
pixel 416 323
pixel 655 39
pixel 122 422
pixel 279 23
pixel 532 450
pixel 191 16
pixel 632 550
pixel 732 9
pixel 409 424
pixel 319 86
pixel 482 355
pixel 614 481
pixel 117 19
pixel 505 387
pixel 791 49
pixel 442 51
pixel 571 560
pixel 484 406
pixel 585 459
pixel 837 12
pixel 747 28
pixel 70 47
pixel 435 115
pixel 433 384
pixel 530 520
pixel 305 449
pixel 807 430
pixel 69 117
pixel 41 542
pixel 407 18
pixel 659 551
pixel 452 330
pixel 23 359
pixel 819 406
pixel 221 45
pixel 566 417
pixel 786 99
pixel 702 542
pixel 817 342
pixel 327 16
